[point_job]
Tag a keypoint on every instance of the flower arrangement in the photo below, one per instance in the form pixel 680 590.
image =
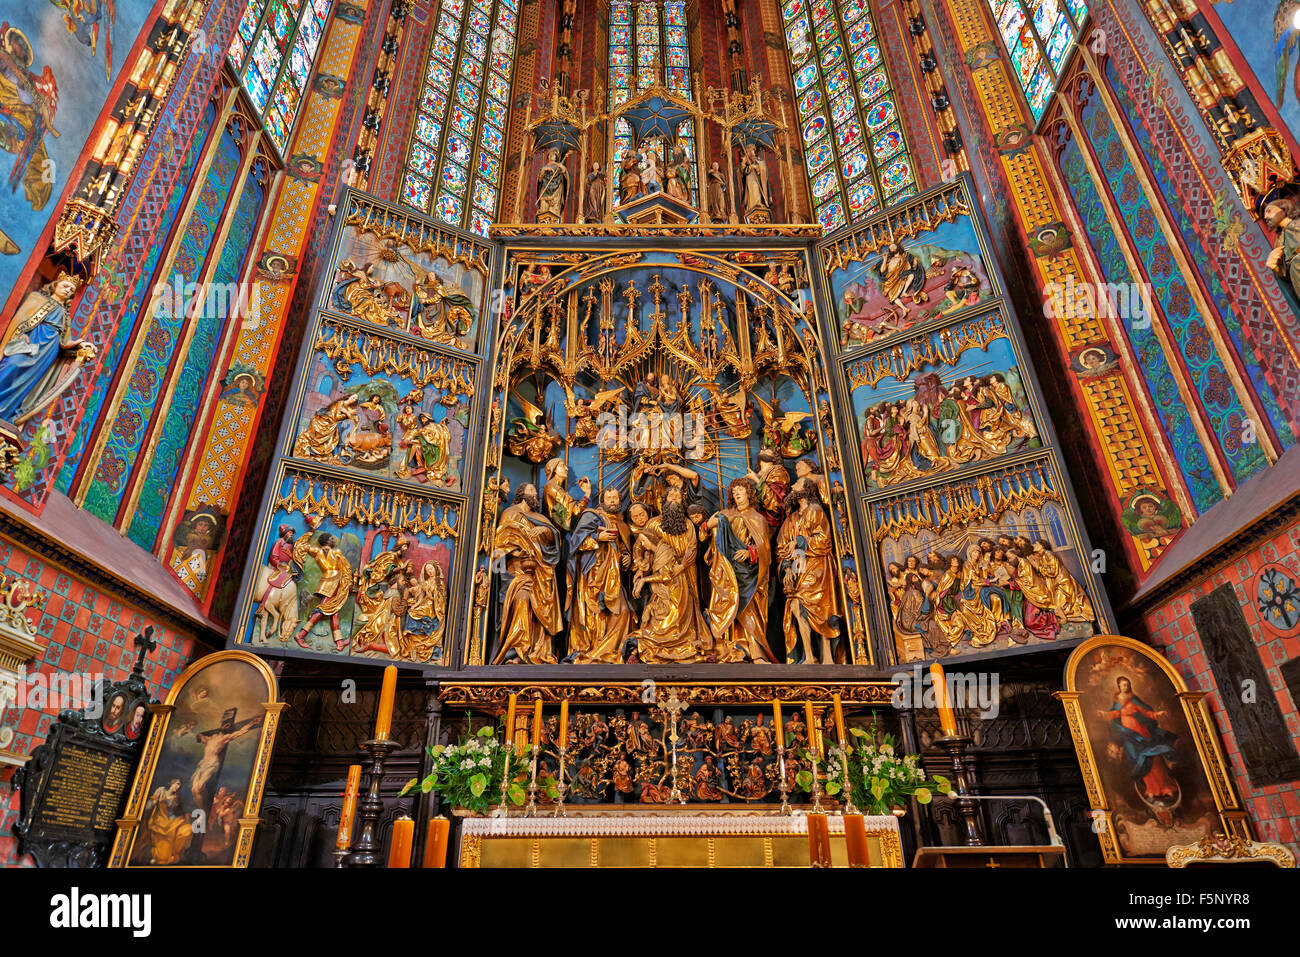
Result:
pixel 467 774
pixel 882 779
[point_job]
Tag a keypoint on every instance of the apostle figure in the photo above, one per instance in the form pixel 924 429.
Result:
pixel 679 175
pixel 40 355
pixel 599 553
pixel 561 507
pixel 1069 600
pixel 552 189
pixel 755 193
pixel 1284 260
pixel 629 180
pixel 335 585
pixel 771 483
pixel 717 193
pixel 530 608
pixel 593 207
pixel 672 626
pixel 806 550
pixel 739 575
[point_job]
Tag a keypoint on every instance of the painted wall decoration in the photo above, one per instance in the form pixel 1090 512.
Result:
pixel 58 64
pixel 389 409
pixel 351 570
pixel 902 272
pixel 1270 49
pixel 1260 578
pixel 663 483
pixel 1153 768
pixel 208 754
pixel 937 404
pixel 989 563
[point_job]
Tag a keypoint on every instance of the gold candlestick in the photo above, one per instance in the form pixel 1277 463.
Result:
pixel 560 789
pixel 531 809
pixel 784 788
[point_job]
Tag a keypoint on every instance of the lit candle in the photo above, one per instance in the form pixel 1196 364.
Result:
pixel 819 840
pixel 349 808
pixel 537 723
pixel 855 840
pixel 510 717
pixel 776 719
pixel 947 720
pixel 564 723
pixel 839 721
pixel 435 848
pixel 399 845
pixel 384 720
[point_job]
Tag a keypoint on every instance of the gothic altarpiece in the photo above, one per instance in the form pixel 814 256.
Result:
pixel 751 467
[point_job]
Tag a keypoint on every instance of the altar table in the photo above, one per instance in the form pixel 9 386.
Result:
pixel 659 838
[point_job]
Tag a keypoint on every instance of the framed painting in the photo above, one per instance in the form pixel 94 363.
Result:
pixel 199 785
pixel 1152 765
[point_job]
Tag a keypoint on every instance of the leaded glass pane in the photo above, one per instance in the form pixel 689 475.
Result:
pixel 866 157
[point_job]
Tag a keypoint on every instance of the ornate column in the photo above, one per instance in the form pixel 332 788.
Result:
pixel 18 646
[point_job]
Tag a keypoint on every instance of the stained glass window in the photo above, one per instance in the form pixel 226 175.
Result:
pixel 648 43
pixel 274 48
pixel 855 153
pixel 455 158
pixel 1038 34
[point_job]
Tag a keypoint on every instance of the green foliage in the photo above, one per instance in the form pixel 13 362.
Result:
pixel 882 779
pixel 468 774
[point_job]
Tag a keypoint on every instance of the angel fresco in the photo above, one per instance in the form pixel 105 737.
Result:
pixel 27 105
pixel 1152 516
pixel 88 20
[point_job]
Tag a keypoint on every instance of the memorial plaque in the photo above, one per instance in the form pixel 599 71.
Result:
pixel 74 786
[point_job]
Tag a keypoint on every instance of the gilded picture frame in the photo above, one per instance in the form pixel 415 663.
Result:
pixel 197 793
pixel 1152 764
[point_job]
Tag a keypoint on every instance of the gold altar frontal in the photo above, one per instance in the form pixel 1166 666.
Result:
pixel 610 836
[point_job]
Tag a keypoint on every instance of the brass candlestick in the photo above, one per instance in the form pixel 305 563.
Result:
pixel 531 809
pixel 365 850
pixel 784 788
pixel 849 807
pixel 560 789
pixel 816 783
pixel 956 746
pixel 502 809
